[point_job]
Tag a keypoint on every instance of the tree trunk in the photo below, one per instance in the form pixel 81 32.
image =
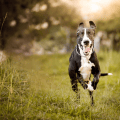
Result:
pixel 3 16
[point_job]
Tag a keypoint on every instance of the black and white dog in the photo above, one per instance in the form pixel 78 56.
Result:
pixel 84 62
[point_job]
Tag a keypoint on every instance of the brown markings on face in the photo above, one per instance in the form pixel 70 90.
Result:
pixel 90 32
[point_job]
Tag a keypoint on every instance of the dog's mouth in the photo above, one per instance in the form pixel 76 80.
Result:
pixel 87 49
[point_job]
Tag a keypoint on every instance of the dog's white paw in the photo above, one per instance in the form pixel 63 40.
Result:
pixel 90 88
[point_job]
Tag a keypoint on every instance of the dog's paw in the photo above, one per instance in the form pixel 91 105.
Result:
pixel 90 88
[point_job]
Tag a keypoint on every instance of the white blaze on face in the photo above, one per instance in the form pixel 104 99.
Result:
pixel 86 38
pixel 86 48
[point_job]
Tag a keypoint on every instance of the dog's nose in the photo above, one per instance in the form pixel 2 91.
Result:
pixel 86 42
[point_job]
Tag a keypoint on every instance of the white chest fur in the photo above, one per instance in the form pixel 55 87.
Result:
pixel 85 71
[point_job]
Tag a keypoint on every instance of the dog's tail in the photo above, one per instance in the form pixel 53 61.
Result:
pixel 105 74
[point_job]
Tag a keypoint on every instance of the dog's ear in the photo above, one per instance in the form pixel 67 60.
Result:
pixel 92 24
pixel 81 25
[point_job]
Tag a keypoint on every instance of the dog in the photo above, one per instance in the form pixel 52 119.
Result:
pixel 85 71
pixel 83 61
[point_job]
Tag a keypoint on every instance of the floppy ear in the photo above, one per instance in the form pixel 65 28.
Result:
pixel 81 25
pixel 92 24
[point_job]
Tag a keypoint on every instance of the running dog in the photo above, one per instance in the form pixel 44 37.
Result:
pixel 83 61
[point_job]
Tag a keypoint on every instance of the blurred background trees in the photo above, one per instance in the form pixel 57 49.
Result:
pixel 109 22
pixel 28 26
pixel 25 21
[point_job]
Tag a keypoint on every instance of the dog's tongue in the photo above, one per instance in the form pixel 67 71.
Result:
pixel 87 49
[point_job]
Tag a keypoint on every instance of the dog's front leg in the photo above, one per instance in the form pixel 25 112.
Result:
pixel 82 82
pixel 95 70
pixel 95 80
pixel 74 82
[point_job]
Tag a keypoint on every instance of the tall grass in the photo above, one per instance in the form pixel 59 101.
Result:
pixel 14 89
pixel 38 87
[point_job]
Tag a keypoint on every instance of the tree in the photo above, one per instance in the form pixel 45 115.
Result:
pixel 33 19
pixel 111 24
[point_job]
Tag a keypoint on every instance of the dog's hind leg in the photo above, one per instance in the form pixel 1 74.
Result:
pixel 91 97
pixel 95 80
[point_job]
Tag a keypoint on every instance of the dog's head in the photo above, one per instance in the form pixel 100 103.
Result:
pixel 85 38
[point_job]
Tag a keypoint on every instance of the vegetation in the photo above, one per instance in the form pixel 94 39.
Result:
pixel 38 87
pixel 110 24
pixel 24 21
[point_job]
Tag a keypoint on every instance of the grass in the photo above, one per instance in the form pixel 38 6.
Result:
pixel 38 88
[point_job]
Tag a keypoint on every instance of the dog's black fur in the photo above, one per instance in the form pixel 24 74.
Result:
pixel 75 64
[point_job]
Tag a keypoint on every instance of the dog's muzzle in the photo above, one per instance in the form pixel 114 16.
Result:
pixel 87 48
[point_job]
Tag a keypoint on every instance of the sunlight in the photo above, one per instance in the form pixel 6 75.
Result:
pixel 94 8
pixel 96 1
pixel 89 8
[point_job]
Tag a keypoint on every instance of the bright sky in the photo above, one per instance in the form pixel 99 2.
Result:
pixel 88 7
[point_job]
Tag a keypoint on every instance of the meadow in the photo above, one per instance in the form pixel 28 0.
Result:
pixel 39 88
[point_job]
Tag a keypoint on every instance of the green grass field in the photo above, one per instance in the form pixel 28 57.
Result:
pixel 38 88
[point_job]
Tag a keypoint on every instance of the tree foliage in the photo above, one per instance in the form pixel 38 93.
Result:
pixel 110 21
pixel 111 25
pixel 34 19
